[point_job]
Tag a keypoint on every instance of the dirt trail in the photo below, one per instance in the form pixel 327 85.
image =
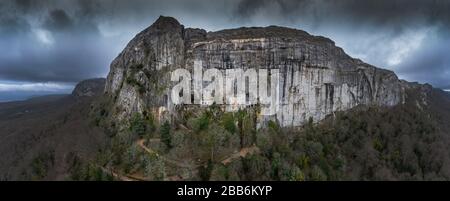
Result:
pixel 242 153
pixel 117 175
pixel 167 160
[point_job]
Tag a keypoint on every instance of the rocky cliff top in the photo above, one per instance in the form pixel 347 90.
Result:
pixel 266 32
pixel 88 88
pixel 191 35
pixel 164 24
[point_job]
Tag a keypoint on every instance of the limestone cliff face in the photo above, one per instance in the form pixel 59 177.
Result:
pixel 317 78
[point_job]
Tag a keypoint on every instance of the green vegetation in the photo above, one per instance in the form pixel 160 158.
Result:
pixel 142 125
pixel 205 171
pixel 131 78
pixel 41 164
pixel 90 172
pixel 133 82
pixel 166 137
pixel 201 123
pixel 365 143
pixel 229 123
pixel 137 125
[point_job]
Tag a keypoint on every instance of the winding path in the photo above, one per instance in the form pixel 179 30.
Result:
pixel 244 152
pixel 167 160
pixel 117 175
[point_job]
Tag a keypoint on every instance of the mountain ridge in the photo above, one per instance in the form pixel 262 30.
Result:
pixel 312 69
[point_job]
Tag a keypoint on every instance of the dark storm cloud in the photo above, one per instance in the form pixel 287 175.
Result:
pixel 58 20
pixel 410 37
pixel 354 12
pixel 13 26
pixel 71 40
pixel 24 5
pixel 51 42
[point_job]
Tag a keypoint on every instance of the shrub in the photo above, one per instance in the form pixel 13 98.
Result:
pixel 166 137
pixel 296 175
pixel 205 171
pixel 137 125
pixel 317 174
pixel 201 123
pixel 229 123
pixel 41 164
pixel 276 163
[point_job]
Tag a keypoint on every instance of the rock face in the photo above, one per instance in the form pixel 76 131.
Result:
pixel 316 77
pixel 89 88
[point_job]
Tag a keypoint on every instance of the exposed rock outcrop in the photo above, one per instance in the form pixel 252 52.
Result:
pixel 89 88
pixel 317 78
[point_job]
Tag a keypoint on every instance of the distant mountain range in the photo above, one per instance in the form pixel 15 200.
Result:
pixel 10 96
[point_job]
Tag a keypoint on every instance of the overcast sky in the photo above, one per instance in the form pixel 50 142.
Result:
pixel 48 45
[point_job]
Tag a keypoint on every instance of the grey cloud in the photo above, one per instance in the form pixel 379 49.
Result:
pixel 61 46
pixel 430 64
pixel 354 12
pixel 66 60
pixel 13 25
pixel 372 29
pixel 58 20
pixel 24 5
pixel 85 35
pixel 249 7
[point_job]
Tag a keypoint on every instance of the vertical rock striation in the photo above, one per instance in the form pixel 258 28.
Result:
pixel 317 78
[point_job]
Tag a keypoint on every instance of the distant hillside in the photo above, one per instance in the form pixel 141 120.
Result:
pixel 42 137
